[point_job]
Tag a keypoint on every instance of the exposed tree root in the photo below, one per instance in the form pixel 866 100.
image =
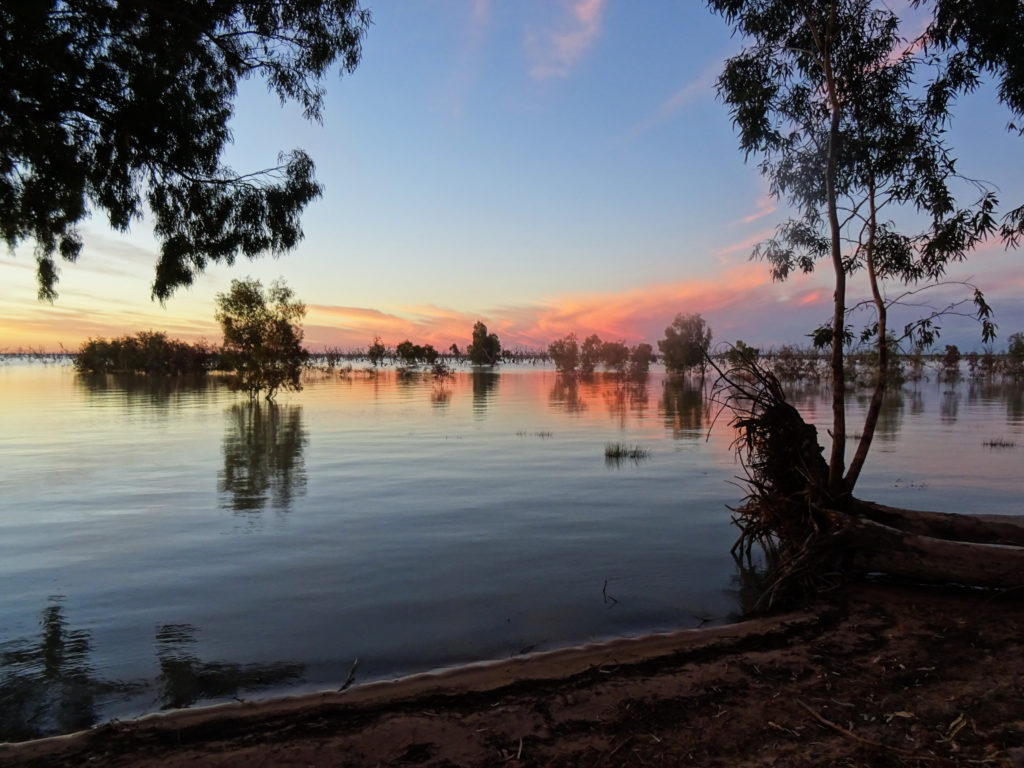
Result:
pixel 812 541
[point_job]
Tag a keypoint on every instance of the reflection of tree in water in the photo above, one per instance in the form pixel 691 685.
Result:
pixel 623 396
pixel 1015 403
pixel 949 406
pixel 139 391
pixel 440 394
pixel 684 408
pixel 484 385
pixel 47 685
pixel 565 395
pixel 263 447
pixel 890 415
pixel 184 679
pixel 1010 393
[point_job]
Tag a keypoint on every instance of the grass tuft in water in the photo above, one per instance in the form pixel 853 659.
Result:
pixel 999 442
pixel 615 453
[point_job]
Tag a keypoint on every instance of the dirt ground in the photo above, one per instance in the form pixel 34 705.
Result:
pixel 879 675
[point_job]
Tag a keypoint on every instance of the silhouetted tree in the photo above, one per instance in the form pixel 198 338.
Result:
pixel 413 354
pixel 147 352
pixel 485 348
pixel 686 344
pixel 565 353
pixel 590 354
pixel 262 337
pixel 640 359
pixel 113 106
pixel 1014 356
pixel 376 352
pixel 614 356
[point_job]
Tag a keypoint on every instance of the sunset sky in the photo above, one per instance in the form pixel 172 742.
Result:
pixel 544 166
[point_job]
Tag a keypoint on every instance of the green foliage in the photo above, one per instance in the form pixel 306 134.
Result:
pixel 110 107
pixel 978 38
pixel 146 352
pixel 685 344
pixel 376 352
pixel 485 348
pixel 262 337
pixel 565 353
pixel 590 354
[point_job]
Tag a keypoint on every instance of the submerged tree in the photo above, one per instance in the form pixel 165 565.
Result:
pixel 590 354
pixel 485 348
pixel 262 337
pixel 565 353
pixel 114 106
pixel 686 344
pixel 376 352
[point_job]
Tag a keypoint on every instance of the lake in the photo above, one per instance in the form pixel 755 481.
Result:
pixel 166 544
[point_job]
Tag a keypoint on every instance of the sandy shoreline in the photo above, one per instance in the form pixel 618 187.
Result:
pixel 877 672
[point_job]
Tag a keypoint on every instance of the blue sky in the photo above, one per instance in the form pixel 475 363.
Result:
pixel 545 166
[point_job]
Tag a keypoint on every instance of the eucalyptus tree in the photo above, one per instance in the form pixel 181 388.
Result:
pixel 824 96
pixel 972 39
pixel 262 337
pixel 112 107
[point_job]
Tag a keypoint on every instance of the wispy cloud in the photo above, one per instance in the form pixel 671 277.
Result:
pixel 701 86
pixel 553 53
pixel 766 206
pixel 468 61
pixel 744 246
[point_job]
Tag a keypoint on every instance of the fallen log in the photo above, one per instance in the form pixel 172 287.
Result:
pixel 982 529
pixel 873 547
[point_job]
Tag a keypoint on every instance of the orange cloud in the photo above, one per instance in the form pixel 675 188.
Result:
pixel 636 314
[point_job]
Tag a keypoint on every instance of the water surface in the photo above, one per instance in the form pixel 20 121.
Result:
pixel 164 544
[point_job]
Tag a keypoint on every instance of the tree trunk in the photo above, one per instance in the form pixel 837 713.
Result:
pixel 877 548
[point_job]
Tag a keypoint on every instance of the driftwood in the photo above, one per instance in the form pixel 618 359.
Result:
pixel 811 539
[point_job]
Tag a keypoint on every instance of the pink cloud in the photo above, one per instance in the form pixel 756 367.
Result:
pixel 554 53
pixel 745 246
pixel 765 207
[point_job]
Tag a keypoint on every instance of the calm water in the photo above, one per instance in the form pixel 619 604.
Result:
pixel 167 545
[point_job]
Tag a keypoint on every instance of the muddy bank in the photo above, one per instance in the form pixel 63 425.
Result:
pixel 879 675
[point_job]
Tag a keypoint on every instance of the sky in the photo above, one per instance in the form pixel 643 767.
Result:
pixel 544 166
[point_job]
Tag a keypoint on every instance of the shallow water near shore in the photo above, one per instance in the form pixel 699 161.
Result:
pixel 165 544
